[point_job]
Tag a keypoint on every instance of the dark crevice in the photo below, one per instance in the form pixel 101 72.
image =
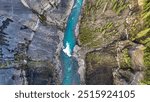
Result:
pixel 3 36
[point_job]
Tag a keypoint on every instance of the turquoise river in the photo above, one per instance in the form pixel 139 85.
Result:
pixel 69 63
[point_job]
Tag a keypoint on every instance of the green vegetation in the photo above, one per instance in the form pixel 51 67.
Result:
pixel 144 38
pixel 94 57
pixel 94 38
pixel 125 59
pixel 102 59
pixel 140 32
pixel 119 5
pixel 147 65
pixel 86 35
pixel 134 29
pixel 99 28
pixel 143 33
pixel 146 13
pixel 93 34
pixel 108 25
pixel 42 18
pixel 92 7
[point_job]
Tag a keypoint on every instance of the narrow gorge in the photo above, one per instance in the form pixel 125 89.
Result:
pixel 74 42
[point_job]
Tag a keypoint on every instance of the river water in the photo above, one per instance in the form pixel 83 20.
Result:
pixel 69 63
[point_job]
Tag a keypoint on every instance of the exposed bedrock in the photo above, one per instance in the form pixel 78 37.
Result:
pixel 31 32
pixel 111 42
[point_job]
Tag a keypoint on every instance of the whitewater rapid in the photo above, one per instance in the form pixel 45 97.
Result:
pixel 69 63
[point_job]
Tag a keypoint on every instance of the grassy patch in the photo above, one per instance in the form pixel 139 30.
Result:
pixel 125 59
pixel 144 35
pixel 146 13
pixel 86 35
pixel 101 59
pixel 92 7
pixel 118 6
pixel 94 38
pixel 147 64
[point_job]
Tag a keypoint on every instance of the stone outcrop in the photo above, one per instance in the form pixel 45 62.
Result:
pixel 107 42
pixel 31 33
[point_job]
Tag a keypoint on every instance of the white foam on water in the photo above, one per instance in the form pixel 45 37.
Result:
pixel 67 50
pixel 75 6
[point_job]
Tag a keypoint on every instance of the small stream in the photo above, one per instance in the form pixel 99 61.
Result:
pixel 69 63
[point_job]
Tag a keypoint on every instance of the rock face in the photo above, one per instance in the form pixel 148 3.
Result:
pixel 30 35
pixel 111 41
pixel 12 76
pixel 137 55
pixel 99 69
pixel 109 44
pixel 40 73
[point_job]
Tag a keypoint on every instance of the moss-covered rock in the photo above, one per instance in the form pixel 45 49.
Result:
pixel 99 68
pixel 127 24
pixel 125 59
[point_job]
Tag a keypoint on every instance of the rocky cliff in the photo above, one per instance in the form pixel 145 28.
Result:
pixel 113 44
pixel 114 41
pixel 31 33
